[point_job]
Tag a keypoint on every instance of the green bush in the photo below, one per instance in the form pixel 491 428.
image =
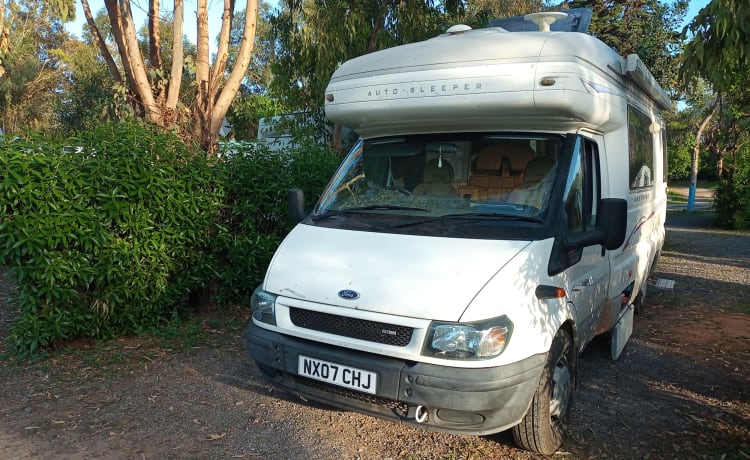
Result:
pixel 107 237
pixel 255 217
pixel 732 202
pixel 678 160
pixel 116 234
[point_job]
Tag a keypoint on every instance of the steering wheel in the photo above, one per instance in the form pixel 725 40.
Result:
pixel 401 190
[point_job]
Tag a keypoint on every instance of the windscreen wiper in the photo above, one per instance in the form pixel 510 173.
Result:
pixel 471 216
pixel 372 207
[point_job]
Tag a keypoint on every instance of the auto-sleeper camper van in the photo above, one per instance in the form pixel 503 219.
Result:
pixel 504 205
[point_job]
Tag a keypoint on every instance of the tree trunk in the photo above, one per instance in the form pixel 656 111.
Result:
pixel 222 53
pixel 100 43
pixel 232 85
pixel 138 68
pixel 154 34
pixel 175 77
pixel 696 155
pixel 201 114
pixel 115 14
pixel 4 42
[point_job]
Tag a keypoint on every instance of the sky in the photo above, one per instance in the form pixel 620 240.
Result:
pixel 140 8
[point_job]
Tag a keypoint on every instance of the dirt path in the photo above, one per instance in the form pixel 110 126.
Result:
pixel 681 390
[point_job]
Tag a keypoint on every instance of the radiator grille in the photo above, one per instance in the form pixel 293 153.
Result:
pixel 371 331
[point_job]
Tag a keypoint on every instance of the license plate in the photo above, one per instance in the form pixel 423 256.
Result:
pixel 337 374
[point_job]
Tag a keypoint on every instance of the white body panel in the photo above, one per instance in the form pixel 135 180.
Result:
pixel 412 280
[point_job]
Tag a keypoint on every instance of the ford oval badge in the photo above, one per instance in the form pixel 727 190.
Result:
pixel 348 294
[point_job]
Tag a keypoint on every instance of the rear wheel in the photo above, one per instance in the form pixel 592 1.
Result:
pixel 544 425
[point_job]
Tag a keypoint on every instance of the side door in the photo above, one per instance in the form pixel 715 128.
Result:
pixel 587 276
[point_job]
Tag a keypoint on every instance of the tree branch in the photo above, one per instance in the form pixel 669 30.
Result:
pixel 100 43
pixel 178 56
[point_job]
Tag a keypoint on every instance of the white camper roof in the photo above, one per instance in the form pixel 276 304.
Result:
pixel 485 79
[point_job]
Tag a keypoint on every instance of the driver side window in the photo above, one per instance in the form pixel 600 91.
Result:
pixel 582 191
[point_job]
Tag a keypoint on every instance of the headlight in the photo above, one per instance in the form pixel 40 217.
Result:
pixel 468 341
pixel 263 306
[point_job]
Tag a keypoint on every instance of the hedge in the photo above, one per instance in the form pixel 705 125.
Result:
pixel 111 232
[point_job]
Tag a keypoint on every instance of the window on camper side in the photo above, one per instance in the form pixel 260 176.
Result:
pixel 583 188
pixel 641 149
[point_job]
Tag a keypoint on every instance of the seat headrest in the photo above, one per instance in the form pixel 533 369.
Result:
pixel 537 168
pixel 489 159
pixel 435 174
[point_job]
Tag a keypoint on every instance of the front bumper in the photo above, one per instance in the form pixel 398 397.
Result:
pixel 459 400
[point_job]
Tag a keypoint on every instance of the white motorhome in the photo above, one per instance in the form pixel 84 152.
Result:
pixel 505 205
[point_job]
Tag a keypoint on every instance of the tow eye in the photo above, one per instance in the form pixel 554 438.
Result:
pixel 422 414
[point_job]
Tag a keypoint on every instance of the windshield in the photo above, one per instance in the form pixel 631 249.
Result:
pixel 416 179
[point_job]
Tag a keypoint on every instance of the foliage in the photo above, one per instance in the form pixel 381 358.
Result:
pixel 158 89
pixel 245 112
pixel 733 196
pixel 259 74
pixel 30 72
pixel 647 28
pixel 313 36
pixel 718 49
pixel 678 160
pixel 494 9
pixel 718 53
pixel 105 238
pixel 87 85
pixel 120 233
pixel 255 218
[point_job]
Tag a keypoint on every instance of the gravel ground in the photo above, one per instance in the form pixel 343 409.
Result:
pixel 680 390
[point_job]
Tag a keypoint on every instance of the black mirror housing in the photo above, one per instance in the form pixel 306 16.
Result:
pixel 610 226
pixel 613 221
pixel 296 202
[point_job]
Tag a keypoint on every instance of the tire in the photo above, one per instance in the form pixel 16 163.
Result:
pixel 544 426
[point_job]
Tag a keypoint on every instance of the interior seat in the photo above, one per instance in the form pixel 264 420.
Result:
pixel 536 182
pixel 437 179
pixel 490 178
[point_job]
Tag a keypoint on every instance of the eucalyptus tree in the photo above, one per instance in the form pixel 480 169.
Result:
pixel 157 93
pixel 718 52
pixel 30 32
pixel 649 28
pixel 312 37
pixel 494 9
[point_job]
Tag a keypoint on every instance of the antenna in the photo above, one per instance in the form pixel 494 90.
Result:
pixel 544 19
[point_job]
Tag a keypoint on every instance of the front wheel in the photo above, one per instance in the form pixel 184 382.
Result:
pixel 544 425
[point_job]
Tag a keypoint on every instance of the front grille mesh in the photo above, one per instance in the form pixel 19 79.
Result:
pixel 371 331
pixel 399 408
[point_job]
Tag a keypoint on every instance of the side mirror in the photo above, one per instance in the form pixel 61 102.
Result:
pixel 610 228
pixel 296 202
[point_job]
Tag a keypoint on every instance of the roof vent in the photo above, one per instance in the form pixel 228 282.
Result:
pixel 457 29
pixel 544 19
